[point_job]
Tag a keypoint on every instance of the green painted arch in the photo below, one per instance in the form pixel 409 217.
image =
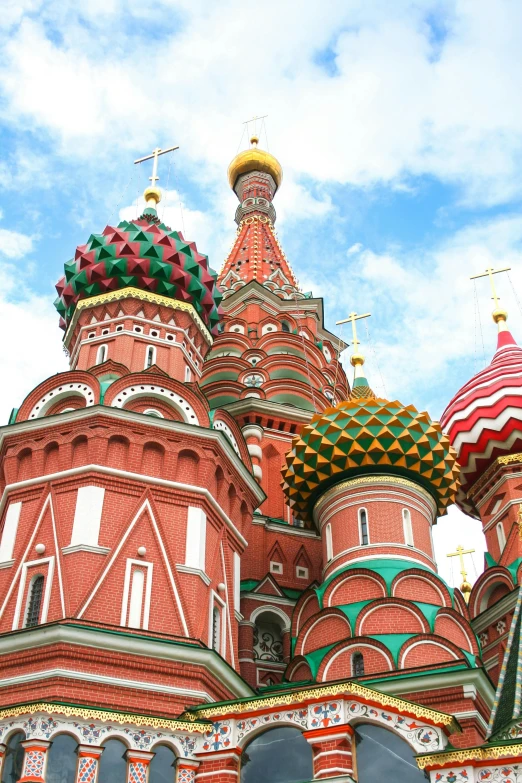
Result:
pixel 288 350
pixel 224 375
pixel 224 399
pixel 292 399
pixel 286 373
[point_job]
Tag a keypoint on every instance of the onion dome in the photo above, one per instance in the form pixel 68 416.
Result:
pixel 484 418
pixel 254 159
pixel 368 435
pixel 144 254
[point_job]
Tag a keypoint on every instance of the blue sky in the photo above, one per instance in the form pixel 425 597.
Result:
pixel 398 126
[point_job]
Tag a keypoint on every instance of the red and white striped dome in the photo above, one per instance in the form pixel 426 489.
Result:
pixel 484 418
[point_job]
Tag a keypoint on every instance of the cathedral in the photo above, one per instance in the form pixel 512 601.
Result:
pixel 216 554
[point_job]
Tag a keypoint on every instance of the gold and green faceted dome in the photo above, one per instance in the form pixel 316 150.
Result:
pixel 368 435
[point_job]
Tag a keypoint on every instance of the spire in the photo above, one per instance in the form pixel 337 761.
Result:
pixel 465 587
pixel 360 386
pixel 499 315
pixel 255 176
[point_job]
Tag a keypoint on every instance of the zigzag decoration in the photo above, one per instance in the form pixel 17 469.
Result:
pixel 363 434
pixel 144 254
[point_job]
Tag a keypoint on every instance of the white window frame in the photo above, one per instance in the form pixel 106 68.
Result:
pixel 276 567
pixel 196 539
pixel 102 353
pixel 49 561
pixel 88 514
pixel 8 540
pixel 237 580
pixel 188 374
pixel 216 601
pixel 154 412
pixel 148 349
pixel 359 515
pixel 407 527
pixel 329 542
pixel 127 585
pixel 303 575
pixel 501 536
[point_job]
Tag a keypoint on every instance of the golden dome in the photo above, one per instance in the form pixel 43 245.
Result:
pixel 254 159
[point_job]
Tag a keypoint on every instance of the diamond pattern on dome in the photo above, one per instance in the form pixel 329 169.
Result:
pixel 368 433
pixel 142 254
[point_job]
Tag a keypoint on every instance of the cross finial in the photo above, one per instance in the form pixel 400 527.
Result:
pixel 153 194
pixel 255 138
pixel 499 315
pixel 465 586
pixel 356 358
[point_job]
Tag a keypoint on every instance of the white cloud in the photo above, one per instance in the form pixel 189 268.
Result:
pixel 33 349
pixel 396 107
pixel 14 244
pixel 356 248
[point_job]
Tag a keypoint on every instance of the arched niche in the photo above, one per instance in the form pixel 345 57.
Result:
pixel 62 760
pixel 14 757
pixel 280 755
pixel 113 764
pixel 161 768
pixel 269 626
pixel 382 755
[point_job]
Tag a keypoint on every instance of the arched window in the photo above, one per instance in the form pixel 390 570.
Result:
pixel 113 765
pixel 408 529
pixel 329 543
pixel 363 527
pixel 188 375
pixel 501 536
pixel 357 664
pixel 61 760
pixel 161 766
pixel 268 638
pixel 14 758
pixel 34 601
pixel 150 356
pixel 285 326
pixel 279 755
pixel 101 355
pixel 216 629
pixel 382 755
pixel 153 412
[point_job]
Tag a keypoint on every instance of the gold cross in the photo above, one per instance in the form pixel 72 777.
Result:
pixel 254 119
pixel 460 554
pixel 489 273
pixel 353 317
pixel 154 157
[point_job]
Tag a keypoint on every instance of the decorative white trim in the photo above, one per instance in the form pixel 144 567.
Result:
pixel 73 674
pixel 59 393
pixel 227 604
pixel 128 644
pixel 145 506
pixel 156 390
pixel 9 531
pixel 161 425
pixel 425 641
pixel 184 569
pixel 98 550
pixel 131 477
pixel 216 599
pixel 353 642
pixel 145 605
pixel 287 623
pixel 49 561
pixel 223 427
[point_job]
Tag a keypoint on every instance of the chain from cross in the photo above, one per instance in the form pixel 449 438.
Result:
pixel 460 554
pixel 154 157
pixel 353 317
pixel 254 119
pixel 489 273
